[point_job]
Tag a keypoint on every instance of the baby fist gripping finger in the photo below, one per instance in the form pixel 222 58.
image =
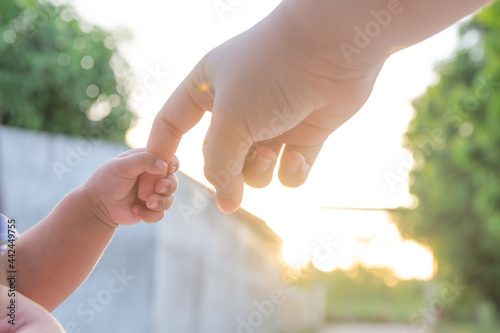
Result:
pixel 152 209
pixel 167 186
pixel 135 162
pixel 113 188
pixel 151 183
pixel 163 197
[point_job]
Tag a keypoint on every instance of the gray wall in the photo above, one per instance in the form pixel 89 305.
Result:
pixel 198 270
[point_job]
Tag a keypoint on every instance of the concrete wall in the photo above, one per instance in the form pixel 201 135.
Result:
pixel 198 270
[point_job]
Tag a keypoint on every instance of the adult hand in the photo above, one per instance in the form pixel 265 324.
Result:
pixel 288 82
pixel 265 93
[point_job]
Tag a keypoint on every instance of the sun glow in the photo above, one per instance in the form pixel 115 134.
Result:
pixel 295 254
pixel 349 172
pixel 368 239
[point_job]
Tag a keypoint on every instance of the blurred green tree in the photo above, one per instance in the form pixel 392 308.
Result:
pixel 455 141
pixel 372 295
pixel 59 74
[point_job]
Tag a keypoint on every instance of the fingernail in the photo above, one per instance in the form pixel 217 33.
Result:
pixel 227 205
pixel 292 166
pixel 171 168
pixel 153 205
pixel 163 190
pixel 135 210
pixel 160 165
pixel 261 165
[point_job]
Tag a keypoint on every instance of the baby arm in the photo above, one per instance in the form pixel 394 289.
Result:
pixel 55 256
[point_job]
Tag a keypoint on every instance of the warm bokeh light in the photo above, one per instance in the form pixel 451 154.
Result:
pixel 356 237
pixel 413 261
pixel 203 87
pixel 295 255
pixel 351 171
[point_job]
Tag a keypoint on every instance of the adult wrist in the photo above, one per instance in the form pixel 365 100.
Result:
pixel 341 32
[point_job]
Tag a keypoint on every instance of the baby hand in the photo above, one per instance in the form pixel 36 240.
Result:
pixel 112 189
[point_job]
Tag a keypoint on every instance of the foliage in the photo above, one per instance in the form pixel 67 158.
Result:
pixel 447 327
pixel 455 142
pixel 363 295
pixel 59 74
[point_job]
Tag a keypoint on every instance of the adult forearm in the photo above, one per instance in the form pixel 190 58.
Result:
pixel 57 255
pixel 365 32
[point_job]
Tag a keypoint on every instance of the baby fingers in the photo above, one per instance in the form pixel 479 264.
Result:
pixel 166 186
pixel 173 165
pixel 153 210
pixel 159 203
pixel 147 215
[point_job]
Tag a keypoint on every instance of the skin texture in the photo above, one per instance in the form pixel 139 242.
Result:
pixel 30 317
pixel 286 84
pixel 56 256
